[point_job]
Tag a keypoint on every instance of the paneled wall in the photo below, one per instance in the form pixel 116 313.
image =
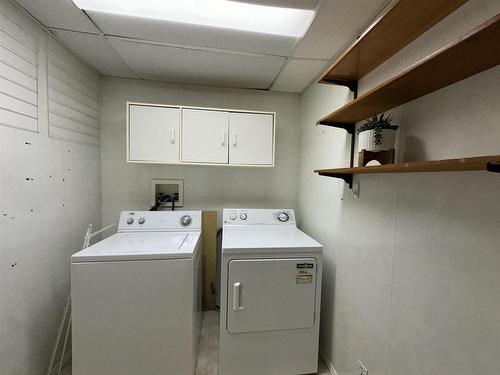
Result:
pixel 18 76
pixel 73 97
pixel 49 184
pixel 411 267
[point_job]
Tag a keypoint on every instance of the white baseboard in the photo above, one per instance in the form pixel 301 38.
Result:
pixel 328 364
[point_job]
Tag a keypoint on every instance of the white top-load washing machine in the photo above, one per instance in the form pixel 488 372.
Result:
pixel 136 297
pixel 270 294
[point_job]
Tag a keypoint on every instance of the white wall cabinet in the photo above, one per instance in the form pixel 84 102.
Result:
pixel 251 139
pixel 188 135
pixel 153 134
pixel 204 136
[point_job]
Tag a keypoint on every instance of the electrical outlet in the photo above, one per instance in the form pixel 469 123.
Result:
pixel 362 368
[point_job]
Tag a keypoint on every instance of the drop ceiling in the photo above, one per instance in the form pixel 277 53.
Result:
pixel 142 48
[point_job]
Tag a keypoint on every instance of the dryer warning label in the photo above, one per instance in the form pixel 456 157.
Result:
pixel 304 273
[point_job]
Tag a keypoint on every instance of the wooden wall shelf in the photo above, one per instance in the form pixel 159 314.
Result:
pixel 481 163
pixel 473 53
pixel 398 26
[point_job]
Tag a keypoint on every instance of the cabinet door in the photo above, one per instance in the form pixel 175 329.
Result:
pixel 271 294
pixel 154 133
pixel 251 138
pixel 204 136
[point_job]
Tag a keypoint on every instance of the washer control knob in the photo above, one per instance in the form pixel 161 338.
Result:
pixel 232 216
pixel 130 220
pixel 186 220
pixel 243 216
pixel 142 220
pixel 283 217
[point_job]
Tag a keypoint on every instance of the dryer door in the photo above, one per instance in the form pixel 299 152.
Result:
pixel 271 294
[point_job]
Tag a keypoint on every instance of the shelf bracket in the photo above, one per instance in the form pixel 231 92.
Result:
pixel 351 85
pixel 348 178
pixel 493 167
pixel 351 129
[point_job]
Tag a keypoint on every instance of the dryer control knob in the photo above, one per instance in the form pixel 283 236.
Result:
pixel 232 216
pixel 243 216
pixel 130 220
pixel 185 220
pixel 283 217
pixel 142 220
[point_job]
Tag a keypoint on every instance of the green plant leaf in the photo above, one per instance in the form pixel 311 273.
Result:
pixel 378 122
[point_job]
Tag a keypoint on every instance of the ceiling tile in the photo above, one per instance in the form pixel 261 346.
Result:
pixel 297 74
pixel 61 14
pixel 167 32
pixel 184 65
pixel 96 51
pixel 337 23
pixel 297 4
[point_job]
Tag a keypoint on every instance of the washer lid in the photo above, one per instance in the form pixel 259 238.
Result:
pixel 141 246
pixel 256 238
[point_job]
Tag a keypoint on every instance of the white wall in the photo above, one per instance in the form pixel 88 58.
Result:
pixel 411 267
pixel 49 191
pixel 127 185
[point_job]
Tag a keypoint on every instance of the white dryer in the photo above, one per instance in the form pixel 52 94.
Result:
pixel 136 297
pixel 270 294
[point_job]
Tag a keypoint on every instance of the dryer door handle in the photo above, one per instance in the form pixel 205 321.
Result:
pixel 236 297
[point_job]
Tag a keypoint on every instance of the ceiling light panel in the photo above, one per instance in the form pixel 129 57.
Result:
pixel 192 36
pixel 216 13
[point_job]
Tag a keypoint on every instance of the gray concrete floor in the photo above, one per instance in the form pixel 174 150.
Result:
pixel 208 356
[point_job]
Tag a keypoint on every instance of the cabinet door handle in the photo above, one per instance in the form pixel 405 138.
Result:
pixel 234 139
pixel 172 135
pixel 236 297
pixel 223 138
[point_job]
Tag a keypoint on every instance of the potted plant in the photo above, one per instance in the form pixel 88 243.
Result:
pixel 377 134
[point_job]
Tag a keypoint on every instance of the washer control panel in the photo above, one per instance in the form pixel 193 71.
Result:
pixel 132 221
pixel 249 216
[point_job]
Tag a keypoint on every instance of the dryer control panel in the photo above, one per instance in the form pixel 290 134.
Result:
pixel 252 216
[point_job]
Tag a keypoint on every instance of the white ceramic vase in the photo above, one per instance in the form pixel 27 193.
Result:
pixel 366 140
